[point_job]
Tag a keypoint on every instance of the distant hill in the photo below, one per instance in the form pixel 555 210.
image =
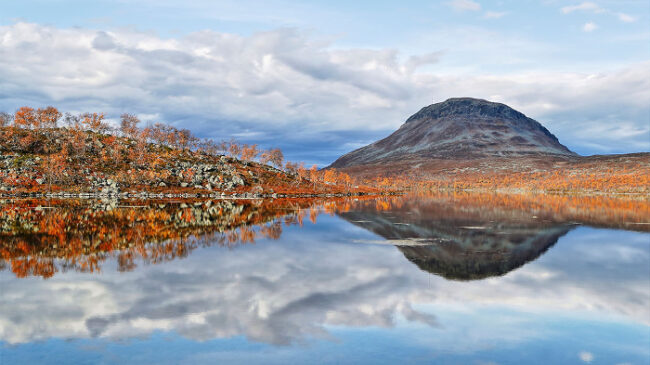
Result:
pixel 460 129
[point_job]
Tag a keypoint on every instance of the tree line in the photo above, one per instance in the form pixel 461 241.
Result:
pixel 157 133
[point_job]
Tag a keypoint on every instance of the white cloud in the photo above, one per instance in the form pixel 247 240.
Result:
pixel 626 18
pixel 584 6
pixel 589 27
pixel 586 356
pixel 494 14
pixel 287 86
pixel 594 8
pixel 414 62
pixel 463 5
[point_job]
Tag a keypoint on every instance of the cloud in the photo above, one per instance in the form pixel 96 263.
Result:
pixel 414 62
pixel 465 5
pixel 283 88
pixel 596 9
pixel 494 14
pixel 586 356
pixel 103 42
pixel 584 6
pixel 626 18
pixel 589 27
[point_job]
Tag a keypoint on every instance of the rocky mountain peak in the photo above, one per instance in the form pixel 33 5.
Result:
pixel 460 128
pixel 466 107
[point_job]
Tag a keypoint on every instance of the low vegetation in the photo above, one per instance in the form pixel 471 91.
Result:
pixel 591 175
pixel 37 154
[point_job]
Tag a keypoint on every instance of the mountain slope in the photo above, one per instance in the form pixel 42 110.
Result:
pixel 460 128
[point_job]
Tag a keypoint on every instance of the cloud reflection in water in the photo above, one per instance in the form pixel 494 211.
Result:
pixel 318 278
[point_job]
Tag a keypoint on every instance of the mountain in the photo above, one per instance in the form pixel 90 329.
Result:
pixel 460 128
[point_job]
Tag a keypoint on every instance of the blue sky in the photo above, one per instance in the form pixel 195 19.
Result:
pixel 320 78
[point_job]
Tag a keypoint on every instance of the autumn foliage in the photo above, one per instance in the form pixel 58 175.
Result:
pixel 44 150
pixel 628 174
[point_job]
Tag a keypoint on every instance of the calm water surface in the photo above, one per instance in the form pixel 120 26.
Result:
pixel 446 279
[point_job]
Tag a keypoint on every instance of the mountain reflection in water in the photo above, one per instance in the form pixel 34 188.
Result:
pixel 449 240
pixel 469 237
pixel 290 281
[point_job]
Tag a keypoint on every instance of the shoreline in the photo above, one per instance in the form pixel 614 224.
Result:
pixel 160 195
pixel 150 195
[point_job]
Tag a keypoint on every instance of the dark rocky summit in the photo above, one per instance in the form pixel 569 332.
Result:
pixel 460 128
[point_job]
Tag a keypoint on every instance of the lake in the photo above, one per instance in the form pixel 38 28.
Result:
pixel 416 279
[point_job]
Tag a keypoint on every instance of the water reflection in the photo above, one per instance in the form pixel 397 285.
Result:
pixel 458 247
pixel 299 284
pixel 468 236
pixel 42 238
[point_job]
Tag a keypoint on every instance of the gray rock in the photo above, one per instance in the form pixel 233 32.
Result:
pixel 238 180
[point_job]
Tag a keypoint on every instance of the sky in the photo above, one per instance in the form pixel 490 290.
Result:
pixel 321 78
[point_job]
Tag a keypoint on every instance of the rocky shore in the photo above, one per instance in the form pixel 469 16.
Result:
pixel 157 195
